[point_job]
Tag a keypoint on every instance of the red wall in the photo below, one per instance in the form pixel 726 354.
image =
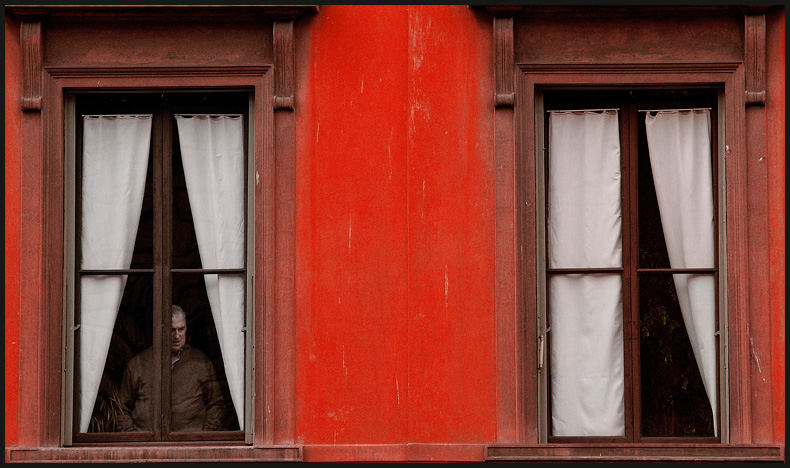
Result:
pixel 395 227
pixel 13 172
pixel 395 232
pixel 775 148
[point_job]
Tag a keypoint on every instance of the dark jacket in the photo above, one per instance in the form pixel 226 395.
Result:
pixel 196 400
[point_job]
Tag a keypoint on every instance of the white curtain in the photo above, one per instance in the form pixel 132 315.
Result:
pixel 585 310
pixel 114 166
pixel 212 151
pixel 680 157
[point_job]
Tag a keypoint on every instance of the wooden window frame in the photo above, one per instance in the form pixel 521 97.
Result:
pixel 161 270
pixel 726 77
pixel 61 83
pixel 518 398
pixel 630 272
pixel 267 69
pixel 740 72
pixel 272 316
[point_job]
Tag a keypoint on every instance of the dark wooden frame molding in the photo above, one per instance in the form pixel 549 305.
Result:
pixel 31 64
pixel 630 272
pixel 182 453
pixel 754 57
pixel 635 452
pixel 257 79
pixel 743 83
pixel 512 413
pixel 503 62
pixel 42 280
pixel 283 12
pixel 161 274
pixel 625 75
pixel 284 65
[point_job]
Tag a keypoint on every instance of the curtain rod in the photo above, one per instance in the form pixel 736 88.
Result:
pixel 209 115
pixel 675 110
pixel 119 116
pixel 582 110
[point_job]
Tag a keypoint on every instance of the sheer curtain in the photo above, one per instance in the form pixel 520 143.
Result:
pixel 679 146
pixel 585 310
pixel 114 166
pixel 212 152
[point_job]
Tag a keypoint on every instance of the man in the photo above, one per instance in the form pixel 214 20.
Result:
pixel 196 400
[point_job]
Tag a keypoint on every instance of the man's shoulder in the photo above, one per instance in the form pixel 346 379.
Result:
pixel 144 356
pixel 193 354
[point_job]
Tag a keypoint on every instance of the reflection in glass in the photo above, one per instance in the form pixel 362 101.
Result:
pixel 652 245
pixel 583 191
pixel 196 401
pixel 185 253
pixel 143 255
pixel 198 371
pixel 132 333
pixel 674 402
pixel 586 361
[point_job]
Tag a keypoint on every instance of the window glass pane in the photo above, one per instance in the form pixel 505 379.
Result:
pixel 143 254
pixel 584 190
pixel 114 168
pixel 185 247
pixel 586 358
pixel 210 150
pixel 99 381
pixel 652 246
pixel 201 393
pixel 674 401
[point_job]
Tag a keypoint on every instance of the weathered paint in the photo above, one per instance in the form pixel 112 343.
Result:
pixel 13 219
pixel 395 260
pixel 351 375
pixel 450 206
pixel 775 113
pixel 395 355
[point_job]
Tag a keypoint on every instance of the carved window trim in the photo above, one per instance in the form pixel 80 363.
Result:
pixel 516 269
pixel 727 76
pixel 61 81
pixel 42 137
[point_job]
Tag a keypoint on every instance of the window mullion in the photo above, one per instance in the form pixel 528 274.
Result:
pixel 167 280
pixel 714 140
pixel 77 316
pixel 157 155
pixel 630 263
pixel 160 273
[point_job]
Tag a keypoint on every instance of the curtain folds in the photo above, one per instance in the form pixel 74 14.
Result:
pixel 114 167
pixel 212 152
pixel 680 158
pixel 585 310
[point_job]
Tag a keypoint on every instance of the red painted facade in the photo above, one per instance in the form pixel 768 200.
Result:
pixel 396 348
pixel 775 143
pixel 394 211
pixel 13 220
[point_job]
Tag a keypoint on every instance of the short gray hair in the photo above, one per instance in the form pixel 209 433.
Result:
pixel 177 310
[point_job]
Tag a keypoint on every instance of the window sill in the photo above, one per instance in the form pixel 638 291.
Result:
pixel 636 452
pixel 155 453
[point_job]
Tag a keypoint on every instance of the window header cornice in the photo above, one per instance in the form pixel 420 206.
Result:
pixel 272 12
pixel 504 11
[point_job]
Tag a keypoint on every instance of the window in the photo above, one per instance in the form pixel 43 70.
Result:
pixel 629 342
pixel 161 284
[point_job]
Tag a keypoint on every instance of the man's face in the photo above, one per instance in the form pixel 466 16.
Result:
pixel 178 334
